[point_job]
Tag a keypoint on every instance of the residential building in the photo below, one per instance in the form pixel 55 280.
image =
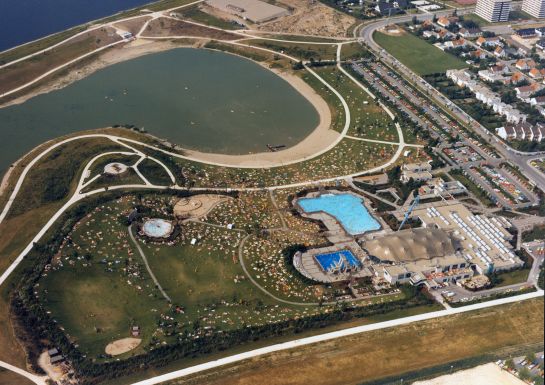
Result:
pixel 493 41
pixel 499 52
pixel 525 91
pixel 443 21
pixel 493 10
pixel 536 74
pixel 388 8
pixel 525 64
pixel 428 34
pixel 522 131
pixel 526 33
pixel 535 8
pixel 470 32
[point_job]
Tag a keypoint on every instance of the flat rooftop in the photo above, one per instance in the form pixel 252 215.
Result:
pixel 484 241
pixel 254 10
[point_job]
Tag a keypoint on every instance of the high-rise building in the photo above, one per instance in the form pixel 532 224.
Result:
pixel 535 8
pixel 493 10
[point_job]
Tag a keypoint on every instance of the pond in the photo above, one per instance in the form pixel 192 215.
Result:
pixel 200 99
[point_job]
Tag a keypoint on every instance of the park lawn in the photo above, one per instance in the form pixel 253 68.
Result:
pixel 471 186
pixel 154 172
pixel 420 56
pixel 97 168
pixel 513 277
pixel 477 19
pixel 301 51
pixel 353 51
pixel 96 299
pixel 367 120
pixel 54 177
pixel 128 177
pixel 96 308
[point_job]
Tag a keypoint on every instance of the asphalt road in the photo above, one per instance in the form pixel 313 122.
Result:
pixel 515 157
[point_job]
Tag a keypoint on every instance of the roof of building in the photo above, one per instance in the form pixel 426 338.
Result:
pixel 526 32
pixel 411 245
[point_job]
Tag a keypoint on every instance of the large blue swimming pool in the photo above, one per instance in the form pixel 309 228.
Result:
pixel 343 259
pixel 348 209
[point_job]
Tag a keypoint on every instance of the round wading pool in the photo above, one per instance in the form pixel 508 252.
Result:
pixel 157 228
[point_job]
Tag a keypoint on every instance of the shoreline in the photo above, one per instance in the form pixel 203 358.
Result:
pixel 320 137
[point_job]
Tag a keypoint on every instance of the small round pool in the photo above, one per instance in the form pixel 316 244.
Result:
pixel 157 228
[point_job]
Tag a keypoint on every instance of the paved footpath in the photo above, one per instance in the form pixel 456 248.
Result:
pixel 329 336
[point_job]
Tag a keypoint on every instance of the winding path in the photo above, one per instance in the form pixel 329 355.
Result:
pixel 329 336
pixel 79 195
pixel 148 268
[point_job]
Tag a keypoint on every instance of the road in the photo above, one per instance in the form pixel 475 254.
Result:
pixel 329 336
pixel 79 195
pixel 517 158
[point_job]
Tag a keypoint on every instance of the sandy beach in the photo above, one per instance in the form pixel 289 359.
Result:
pixel 320 138
pixel 489 374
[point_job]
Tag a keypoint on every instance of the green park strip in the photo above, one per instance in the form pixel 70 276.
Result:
pixel 420 56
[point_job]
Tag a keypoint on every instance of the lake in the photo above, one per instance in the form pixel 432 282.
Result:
pixel 27 20
pixel 201 99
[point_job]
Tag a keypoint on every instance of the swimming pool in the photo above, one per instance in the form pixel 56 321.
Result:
pixel 348 209
pixel 338 260
pixel 157 228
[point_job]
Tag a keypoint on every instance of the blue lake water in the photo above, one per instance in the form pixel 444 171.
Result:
pixel 203 100
pixel 348 209
pixel 22 21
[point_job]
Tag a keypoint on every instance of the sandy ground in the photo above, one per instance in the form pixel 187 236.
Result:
pixel 311 17
pixel 489 374
pixel 198 205
pixel 121 346
pixel 54 372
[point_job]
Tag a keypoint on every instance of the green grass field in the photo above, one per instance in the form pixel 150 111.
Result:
pixel 100 269
pixel 420 56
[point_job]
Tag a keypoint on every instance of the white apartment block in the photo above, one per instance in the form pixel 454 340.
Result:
pixel 535 8
pixel 493 10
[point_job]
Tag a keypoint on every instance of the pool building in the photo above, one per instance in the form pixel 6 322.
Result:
pixel 339 262
pixel 452 246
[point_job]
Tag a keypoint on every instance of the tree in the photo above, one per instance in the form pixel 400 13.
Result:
pixel 525 374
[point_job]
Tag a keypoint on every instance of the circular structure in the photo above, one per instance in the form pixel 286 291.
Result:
pixel 157 228
pixel 115 168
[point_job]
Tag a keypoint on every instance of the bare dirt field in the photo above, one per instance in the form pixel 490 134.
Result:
pixel 164 27
pixel 489 374
pixel 310 18
pixel 8 377
pixel 121 346
pixel 390 352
